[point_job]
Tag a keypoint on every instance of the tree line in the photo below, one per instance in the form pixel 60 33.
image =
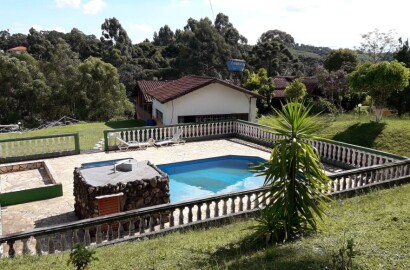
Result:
pixel 88 78
pixel 93 78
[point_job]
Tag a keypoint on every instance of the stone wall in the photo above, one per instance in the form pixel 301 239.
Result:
pixel 137 194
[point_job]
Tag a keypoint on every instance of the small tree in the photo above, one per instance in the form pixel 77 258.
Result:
pixel 334 84
pixel 296 90
pixel 295 176
pixel 379 81
pixel 263 85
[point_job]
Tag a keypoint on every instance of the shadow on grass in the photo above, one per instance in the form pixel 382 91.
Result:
pixel 125 124
pixel 256 255
pixel 363 134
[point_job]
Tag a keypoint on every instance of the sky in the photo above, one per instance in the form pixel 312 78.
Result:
pixel 331 23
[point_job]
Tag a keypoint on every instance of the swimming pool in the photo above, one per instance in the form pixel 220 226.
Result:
pixel 206 177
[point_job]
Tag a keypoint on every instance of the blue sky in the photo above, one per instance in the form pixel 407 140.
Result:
pixel 333 23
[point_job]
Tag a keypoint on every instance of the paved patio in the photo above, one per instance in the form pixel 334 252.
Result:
pixel 60 210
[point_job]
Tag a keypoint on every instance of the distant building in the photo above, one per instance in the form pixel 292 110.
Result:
pixel 17 50
pixel 194 99
pixel 281 82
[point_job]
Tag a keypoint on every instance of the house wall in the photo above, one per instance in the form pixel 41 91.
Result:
pixel 214 98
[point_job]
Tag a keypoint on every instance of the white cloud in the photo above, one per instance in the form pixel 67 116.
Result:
pixel 68 3
pixel 59 29
pixel 37 27
pixel 141 27
pixel 93 6
pixel 336 23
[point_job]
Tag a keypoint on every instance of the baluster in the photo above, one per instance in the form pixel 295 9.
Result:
pixel 12 252
pixel 181 215
pixel 161 221
pixel 26 250
pixel 240 203
pixel 63 241
pixel 151 223
pixel 131 227
pixel 75 239
pixel 232 205
pixel 256 201
pixel 142 225
pixel 171 218
pixel 51 248
pixel 190 214
pixel 38 245
pixel 343 154
pixel 216 209
pixel 224 207
pixel 199 212
pixel 87 237
pixel 248 202
pixel 208 210
pixel 110 233
pixel 120 230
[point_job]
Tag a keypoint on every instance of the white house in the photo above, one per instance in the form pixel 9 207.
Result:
pixel 194 99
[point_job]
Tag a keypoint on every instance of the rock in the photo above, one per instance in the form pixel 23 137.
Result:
pixel 153 182
pixel 147 200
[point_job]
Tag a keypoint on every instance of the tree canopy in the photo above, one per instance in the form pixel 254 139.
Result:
pixel 380 81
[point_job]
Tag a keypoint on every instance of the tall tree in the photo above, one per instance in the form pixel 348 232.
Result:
pixel 377 44
pixel 401 100
pixel 62 76
pixel 114 36
pixel 379 81
pixel 105 96
pixel 164 37
pixel 344 59
pixel 38 45
pixel 202 50
pixel 231 35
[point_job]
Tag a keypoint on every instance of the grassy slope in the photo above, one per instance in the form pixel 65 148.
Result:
pixel 391 135
pixel 90 133
pixel 379 223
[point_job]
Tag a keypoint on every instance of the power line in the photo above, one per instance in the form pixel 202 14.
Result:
pixel 213 15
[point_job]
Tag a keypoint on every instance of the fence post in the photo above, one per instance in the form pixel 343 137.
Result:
pixel 106 140
pixel 77 143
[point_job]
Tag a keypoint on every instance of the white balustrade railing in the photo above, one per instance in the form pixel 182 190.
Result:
pixel 342 154
pixel 38 147
pixel 133 224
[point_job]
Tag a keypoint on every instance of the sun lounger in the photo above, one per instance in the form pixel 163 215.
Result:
pixel 175 139
pixel 123 145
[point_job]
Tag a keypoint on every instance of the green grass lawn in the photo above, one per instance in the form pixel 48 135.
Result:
pixel 90 133
pixel 379 223
pixel 390 135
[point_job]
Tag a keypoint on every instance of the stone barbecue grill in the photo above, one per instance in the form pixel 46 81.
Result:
pixel 124 186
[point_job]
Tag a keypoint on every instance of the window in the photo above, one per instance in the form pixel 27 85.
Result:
pixel 159 115
pixel 211 118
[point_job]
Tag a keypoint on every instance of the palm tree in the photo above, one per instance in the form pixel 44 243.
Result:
pixel 295 176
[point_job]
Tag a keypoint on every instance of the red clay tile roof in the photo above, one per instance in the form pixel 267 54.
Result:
pixel 281 82
pixel 177 88
pixel 17 49
pixel 147 86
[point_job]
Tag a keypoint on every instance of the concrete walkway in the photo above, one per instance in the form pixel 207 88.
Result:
pixel 60 210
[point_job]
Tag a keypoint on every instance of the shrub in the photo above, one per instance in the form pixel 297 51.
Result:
pixel 80 257
pixel 321 105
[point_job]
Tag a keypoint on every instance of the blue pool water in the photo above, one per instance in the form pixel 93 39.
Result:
pixel 206 177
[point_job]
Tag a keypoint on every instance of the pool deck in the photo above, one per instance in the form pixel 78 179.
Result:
pixel 61 209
